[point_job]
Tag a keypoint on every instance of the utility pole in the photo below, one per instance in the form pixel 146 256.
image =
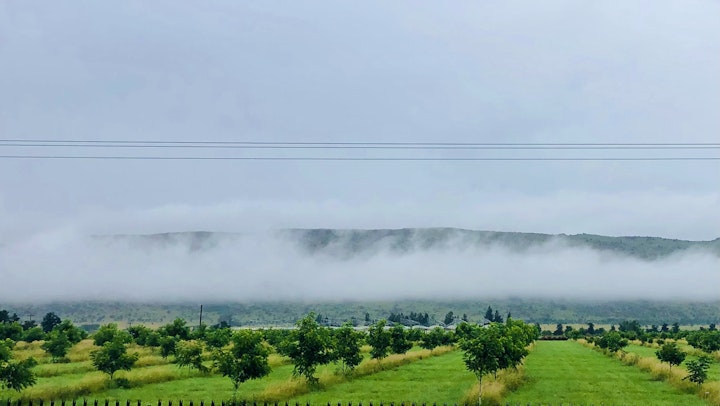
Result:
pixel 200 326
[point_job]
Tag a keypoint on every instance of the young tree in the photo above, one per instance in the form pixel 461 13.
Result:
pixel 347 347
pixel 313 346
pixel 112 357
pixel 57 345
pixel 379 340
pixel 16 375
pixel 189 354
pixel 482 352
pixel 697 369
pixel 398 340
pixel 49 322
pixel 671 354
pixel 247 359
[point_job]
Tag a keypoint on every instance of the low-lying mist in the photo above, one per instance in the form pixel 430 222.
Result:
pixel 275 266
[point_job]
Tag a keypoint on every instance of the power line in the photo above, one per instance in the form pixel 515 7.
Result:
pixel 257 158
pixel 373 146
pixel 110 143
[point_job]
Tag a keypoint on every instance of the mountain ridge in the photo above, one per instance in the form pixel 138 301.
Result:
pixel 353 241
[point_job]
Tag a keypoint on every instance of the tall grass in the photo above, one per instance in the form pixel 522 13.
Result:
pixel 494 389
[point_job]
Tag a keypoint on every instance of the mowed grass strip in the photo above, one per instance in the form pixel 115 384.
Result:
pixel 441 379
pixel 565 372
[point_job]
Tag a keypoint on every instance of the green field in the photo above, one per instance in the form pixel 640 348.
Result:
pixel 556 372
pixel 565 372
pixel 442 379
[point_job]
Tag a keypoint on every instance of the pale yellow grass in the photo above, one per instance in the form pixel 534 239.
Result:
pixel 90 383
pixel 495 389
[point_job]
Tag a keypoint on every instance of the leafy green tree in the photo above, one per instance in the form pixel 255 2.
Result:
pixel 167 346
pixel 49 322
pixel 247 359
pixel 16 375
pixel 139 334
pixel 178 329
pixel 12 330
pixel 218 337
pixel 437 337
pixel 697 369
pixel 558 330
pixel 33 334
pixel 57 345
pixel 73 333
pixel 347 347
pixel 399 344
pixel 449 318
pixel 113 357
pixel 612 341
pixel 312 346
pixel 671 354
pixel 189 354
pixel 482 352
pixel 109 332
pixel 379 339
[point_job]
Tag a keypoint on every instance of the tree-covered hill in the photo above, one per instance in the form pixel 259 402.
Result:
pixel 351 242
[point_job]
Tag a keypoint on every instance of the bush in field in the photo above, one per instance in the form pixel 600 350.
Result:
pixel 697 369
pixel 72 332
pixel 139 334
pixel 113 357
pixel 189 354
pixel 612 341
pixel 312 346
pixel 109 332
pixel 247 359
pixel 12 331
pixel 16 375
pixel 437 337
pixel 33 334
pixel 178 329
pixel 167 346
pixel 57 345
pixel 218 337
pixel 347 347
pixel 706 340
pixel 671 354
pixel 379 339
pixel 399 344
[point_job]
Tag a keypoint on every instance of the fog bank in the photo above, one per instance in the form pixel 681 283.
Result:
pixel 272 266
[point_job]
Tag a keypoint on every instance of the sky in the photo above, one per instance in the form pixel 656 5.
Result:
pixel 370 71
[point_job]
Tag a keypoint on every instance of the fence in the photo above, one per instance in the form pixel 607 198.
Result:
pixel 223 403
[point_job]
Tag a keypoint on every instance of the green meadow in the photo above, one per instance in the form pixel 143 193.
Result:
pixel 555 372
pixel 565 372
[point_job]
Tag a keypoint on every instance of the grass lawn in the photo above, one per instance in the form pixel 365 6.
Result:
pixel 441 379
pixel 565 372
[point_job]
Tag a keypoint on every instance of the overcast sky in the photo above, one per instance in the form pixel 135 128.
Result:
pixel 363 71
